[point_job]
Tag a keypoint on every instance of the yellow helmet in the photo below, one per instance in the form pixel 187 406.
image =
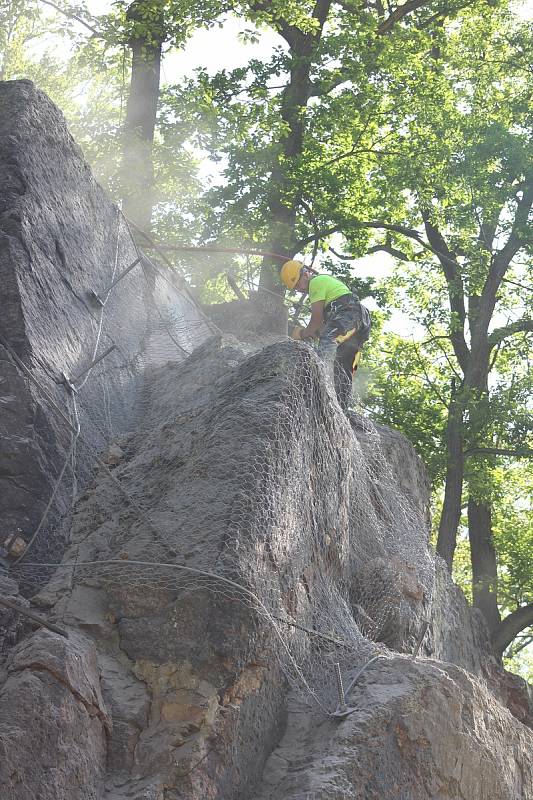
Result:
pixel 290 273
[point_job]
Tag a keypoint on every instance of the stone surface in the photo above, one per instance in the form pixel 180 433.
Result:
pixel 53 721
pixel 422 730
pixel 60 237
pixel 237 462
pixel 458 632
pixel 12 625
pixel 407 468
pixel 56 232
pixel 196 699
pixel 248 319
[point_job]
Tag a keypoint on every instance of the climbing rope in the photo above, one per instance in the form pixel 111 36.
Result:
pixel 160 247
pixel 187 248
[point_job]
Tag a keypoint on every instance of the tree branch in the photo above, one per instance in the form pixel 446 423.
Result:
pixel 443 351
pixel 430 383
pixel 72 15
pixel 309 211
pixel 356 151
pixel 502 259
pixel 523 452
pixel 387 248
pixel 399 13
pixel 510 627
pixel 499 334
pixel 342 256
pixel 515 283
pixel 525 643
pixel 515 242
pixel 410 232
pixel 235 286
pixel 454 281
pixel 294 36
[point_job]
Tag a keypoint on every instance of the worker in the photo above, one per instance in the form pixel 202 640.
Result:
pixel 338 320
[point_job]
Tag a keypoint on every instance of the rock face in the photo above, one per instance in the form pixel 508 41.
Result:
pixel 238 540
pixel 421 729
pixel 249 319
pixel 191 671
pixel 459 633
pixel 53 719
pixel 194 679
pixel 60 237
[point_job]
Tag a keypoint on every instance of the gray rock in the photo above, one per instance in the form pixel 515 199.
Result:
pixel 209 666
pixel 248 319
pixel 53 721
pixel 191 677
pixel 421 730
pixel 61 238
pixel 12 624
pixel 459 633
pixel 243 538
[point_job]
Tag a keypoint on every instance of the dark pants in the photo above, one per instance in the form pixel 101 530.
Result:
pixel 345 317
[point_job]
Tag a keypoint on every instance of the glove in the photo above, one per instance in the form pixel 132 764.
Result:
pixel 296 333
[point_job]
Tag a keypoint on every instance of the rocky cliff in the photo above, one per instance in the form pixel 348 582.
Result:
pixel 62 246
pixel 239 542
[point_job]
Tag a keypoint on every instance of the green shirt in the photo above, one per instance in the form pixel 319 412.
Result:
pixel 327 288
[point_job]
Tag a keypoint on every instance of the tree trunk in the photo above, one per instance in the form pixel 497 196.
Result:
pixel 510 627
pixel 283 199
pixel 483 556
pixel 139 126
pixel 451 509
pixel 282 203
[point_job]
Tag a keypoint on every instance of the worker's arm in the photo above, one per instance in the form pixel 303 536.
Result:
pixel 316 321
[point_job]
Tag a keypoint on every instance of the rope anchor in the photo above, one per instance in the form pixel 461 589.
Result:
pixel 96 297
pixel 69 382
pixel 342 709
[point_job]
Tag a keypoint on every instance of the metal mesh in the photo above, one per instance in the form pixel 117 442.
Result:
pixel 317 540
pixel 138 318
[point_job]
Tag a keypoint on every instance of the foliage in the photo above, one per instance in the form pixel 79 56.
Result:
pixel 463 158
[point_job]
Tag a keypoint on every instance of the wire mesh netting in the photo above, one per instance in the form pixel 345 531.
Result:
pixel 315 539
pixel 140 316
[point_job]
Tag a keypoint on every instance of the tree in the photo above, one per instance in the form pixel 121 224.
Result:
pixel 85 69
pixel 471 191
pixel 143 27
pixel 148 25
pixel 302 132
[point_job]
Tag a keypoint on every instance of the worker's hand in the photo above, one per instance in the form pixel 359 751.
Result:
pixel 296 333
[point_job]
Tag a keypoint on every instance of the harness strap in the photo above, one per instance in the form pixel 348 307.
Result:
pixel 343 300
pixel 356 361
pixel 345 336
